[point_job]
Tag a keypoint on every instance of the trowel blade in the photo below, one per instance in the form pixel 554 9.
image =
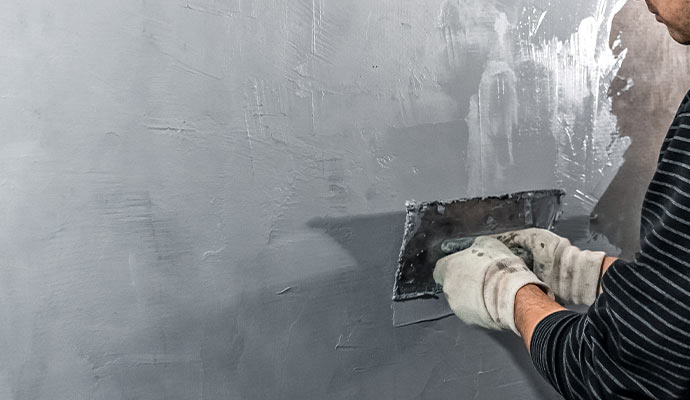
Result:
pixel 429 224
pixel 420 310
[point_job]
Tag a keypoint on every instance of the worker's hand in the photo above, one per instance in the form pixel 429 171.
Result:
pixel 571 273
pixel 480 283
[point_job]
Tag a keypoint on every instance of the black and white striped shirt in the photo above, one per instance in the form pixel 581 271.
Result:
pixel 634 342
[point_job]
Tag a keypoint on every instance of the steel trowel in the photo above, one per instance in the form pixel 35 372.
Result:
pixel 439 228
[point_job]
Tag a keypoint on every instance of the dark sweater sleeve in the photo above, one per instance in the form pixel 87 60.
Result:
pixel 634 341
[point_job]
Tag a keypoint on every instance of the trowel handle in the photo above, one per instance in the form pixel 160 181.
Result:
pixel 452 246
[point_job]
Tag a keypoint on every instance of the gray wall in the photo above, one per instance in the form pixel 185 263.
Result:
pixel 203 199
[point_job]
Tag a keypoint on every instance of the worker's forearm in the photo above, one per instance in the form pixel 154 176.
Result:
pixel 608 261
pixel 531 306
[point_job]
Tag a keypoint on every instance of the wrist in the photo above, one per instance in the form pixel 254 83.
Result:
pixel 605 264
pixel 531 306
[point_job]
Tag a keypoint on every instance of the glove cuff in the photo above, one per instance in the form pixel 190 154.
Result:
pixel 503 284
pixel 579 279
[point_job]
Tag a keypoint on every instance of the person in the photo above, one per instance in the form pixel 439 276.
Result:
pixel 634 340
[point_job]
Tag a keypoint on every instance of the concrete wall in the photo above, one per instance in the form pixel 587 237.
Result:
pixel 203 199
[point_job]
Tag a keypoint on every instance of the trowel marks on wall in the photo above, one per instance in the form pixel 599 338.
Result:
pixel 542 80
pixel 161 159
pixel 546 68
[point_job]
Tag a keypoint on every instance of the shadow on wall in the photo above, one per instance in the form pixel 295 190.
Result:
pixel 659 72
pixel 332 336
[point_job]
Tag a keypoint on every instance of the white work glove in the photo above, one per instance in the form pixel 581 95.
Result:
pixel 481 282
pixel 572 274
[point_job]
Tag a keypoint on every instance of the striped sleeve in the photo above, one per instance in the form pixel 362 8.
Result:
pixel 634 341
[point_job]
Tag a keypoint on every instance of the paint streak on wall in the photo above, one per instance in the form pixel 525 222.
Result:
pixel 534 83
pixel 170 168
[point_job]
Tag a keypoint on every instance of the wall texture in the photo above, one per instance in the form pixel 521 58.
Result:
pixel 203 199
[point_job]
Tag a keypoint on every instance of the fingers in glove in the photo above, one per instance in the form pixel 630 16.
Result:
pixel 482 246
pixel 535 239
pixel 523 238
pixel 440 270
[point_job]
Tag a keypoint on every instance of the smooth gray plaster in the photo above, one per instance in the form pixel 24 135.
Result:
pixel 169 168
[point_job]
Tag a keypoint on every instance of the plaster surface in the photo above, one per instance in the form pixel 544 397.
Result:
pixel 204 199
